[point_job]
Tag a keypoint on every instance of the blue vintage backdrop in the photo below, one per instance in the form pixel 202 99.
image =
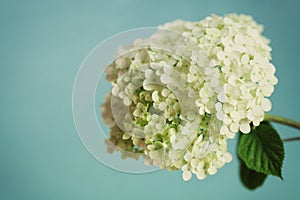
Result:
pixel 43 43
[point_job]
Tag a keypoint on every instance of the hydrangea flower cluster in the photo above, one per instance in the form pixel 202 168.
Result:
pixel 180 94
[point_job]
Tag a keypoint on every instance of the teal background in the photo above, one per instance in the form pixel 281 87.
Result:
pixel 43 43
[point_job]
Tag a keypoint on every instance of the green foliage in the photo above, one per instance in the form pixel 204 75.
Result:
pixel 250 178
pixel 261 153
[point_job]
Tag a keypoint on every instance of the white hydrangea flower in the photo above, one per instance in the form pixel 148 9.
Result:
pixel 202 163
pixel 190 87
pixel 235 43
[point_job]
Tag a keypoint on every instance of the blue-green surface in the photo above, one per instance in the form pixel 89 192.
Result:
pixel 43 43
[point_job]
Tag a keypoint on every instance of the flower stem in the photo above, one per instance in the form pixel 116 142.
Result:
pixel 282 120
pixel 291 139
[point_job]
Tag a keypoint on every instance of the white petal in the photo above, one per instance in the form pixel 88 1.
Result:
pixel 186 175
pixel 201 175
pixel 257 111
pixel 148 73
pixel 268 90
pixel 155 96
pixel 245 128
pixel 230 135
pixel 227 157
pixel 212 170
pixel 256 122
pixel 194 163
pixel 221 55
pixel 222 97
pixel 224 130
pixel 245 59
pixel 266 105
pixel 218 106
pixel 165 78
pixel 234 127
pixel 220 115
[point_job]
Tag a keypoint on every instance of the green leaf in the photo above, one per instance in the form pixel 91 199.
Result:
pixel 262 150
pixel 250 178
